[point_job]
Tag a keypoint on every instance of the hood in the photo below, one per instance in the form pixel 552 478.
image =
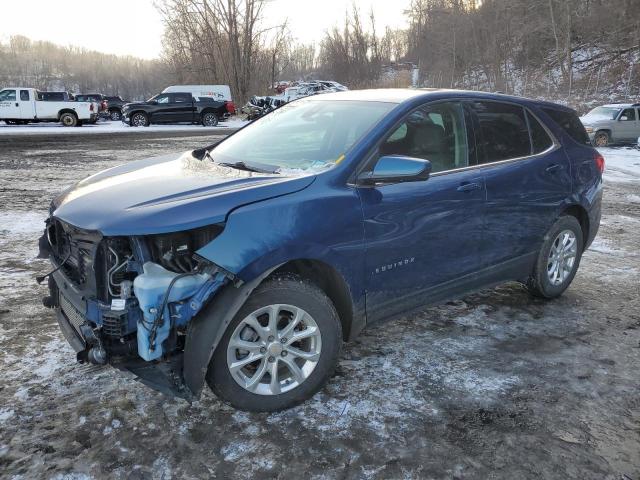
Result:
pixel 135 104
pixel 591 119
pixel 167 194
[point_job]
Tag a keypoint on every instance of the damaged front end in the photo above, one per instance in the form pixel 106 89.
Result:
pixel 128 300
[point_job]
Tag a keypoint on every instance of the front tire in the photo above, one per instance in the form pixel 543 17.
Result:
pixel 139 119
pixel 280 348
pixel 68 120
pixel 558 259
pixel 601 139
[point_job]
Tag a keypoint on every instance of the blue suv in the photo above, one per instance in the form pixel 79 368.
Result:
pixel 246 264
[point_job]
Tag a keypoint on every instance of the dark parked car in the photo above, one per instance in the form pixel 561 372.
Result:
pixel 247 263
pixel 175 108
pixel 114 107
pixel 54 96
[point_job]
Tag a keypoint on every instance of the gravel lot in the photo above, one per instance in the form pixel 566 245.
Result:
pixel 497 385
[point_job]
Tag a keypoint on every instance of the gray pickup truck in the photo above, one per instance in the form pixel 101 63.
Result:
pixel 614 123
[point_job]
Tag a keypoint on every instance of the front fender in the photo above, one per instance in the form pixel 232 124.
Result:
pixel 207 328
pixel 325 225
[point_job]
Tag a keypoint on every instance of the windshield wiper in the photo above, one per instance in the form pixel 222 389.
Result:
pixel 205 153
pixel 248 168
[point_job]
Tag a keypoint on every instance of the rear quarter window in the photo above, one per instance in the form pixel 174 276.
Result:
pixel 570 123
pixel 539 137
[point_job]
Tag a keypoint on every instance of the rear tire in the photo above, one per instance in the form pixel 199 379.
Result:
pixel 601 139
pixel 68 119
pixel 301 367
pixel 209 119
pixel 558 259
pixel 115 115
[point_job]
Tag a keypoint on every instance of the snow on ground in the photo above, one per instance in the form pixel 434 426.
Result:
pixel 622 164
pixel 495 385
pixel 108 126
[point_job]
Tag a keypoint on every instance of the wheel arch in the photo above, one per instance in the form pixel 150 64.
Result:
pixel 581 214
pixel 330 281
pixel 66 110
pixel 606 130
pixel 134 112
pixel 207 328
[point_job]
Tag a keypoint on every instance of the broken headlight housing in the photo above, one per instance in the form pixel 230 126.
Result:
pixel 176 251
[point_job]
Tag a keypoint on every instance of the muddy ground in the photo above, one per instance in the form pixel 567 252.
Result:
pixel 497 385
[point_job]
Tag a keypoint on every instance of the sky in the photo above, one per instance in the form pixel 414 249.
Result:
pixel 102 25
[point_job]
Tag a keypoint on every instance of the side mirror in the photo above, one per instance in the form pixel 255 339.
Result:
pixel 153 102
pixel 397 169
pixel 623 118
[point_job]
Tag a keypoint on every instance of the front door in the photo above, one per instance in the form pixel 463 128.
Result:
pixel 423 236
pixel 9 104
pixel 627 127
pixel 162 111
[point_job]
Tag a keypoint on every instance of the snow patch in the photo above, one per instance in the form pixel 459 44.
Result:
pixel 15 222
pixel 6 414
pixel 111 127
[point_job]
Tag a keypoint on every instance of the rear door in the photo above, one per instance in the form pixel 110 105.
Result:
pixel 182 107
pixel 27 104
pixel 9 104
pixel 421 237
pixel 527 179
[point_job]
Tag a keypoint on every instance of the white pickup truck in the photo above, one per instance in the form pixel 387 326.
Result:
pixel 22 105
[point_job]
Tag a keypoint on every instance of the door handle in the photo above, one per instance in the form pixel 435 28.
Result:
pixel 468 187
pixel 553 168
pixel 17 104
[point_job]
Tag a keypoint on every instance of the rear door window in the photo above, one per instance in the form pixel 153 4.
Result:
pixel 503 131
pixel 540 139
pixel 182 97
pixel 570 123
pixel 24 95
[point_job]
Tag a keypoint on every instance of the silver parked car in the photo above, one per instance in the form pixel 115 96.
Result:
pixel 615 123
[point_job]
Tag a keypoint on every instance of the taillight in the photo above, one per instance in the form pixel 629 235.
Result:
pixel 91 107
pixel 599 159
pixel 231 108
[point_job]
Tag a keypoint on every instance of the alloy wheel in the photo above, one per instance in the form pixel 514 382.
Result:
pixel 562 257
pixel 115 115
pixel 139 120
pixel 209 120
pixel 601 140
pixel 274 349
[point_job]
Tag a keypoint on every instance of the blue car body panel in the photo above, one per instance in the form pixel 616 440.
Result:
pixel 396 246
pixel 165 194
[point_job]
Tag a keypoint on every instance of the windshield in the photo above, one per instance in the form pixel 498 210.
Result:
pixel 7 95
pixel 307 134
pixel 609 112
